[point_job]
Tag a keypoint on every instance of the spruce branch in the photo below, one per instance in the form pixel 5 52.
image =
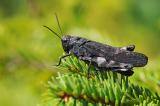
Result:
pixel 102 88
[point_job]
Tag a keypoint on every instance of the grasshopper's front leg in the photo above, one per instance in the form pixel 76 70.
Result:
pixel 62 57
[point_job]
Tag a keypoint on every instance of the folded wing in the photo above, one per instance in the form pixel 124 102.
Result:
pixel 128 57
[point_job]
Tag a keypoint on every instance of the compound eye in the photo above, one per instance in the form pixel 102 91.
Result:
pixel 78 38
pixel 65 40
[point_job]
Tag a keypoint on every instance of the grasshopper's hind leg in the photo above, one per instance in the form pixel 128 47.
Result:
pixel 128 48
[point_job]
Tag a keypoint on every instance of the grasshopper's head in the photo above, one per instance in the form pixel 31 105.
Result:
pixel 68 42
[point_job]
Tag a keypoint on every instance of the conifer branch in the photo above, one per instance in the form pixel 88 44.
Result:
pixel 102 88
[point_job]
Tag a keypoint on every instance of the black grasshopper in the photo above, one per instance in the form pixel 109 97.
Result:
pixel 101 56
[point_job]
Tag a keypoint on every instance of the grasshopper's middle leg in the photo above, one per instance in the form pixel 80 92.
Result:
pixel 88 70
pixel 89 59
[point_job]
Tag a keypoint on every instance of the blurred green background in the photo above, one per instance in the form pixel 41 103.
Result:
pixel 28 50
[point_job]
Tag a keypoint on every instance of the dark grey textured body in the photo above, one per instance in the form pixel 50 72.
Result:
pixel 104 57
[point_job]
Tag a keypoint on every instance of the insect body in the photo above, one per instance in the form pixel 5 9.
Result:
pixel 102 56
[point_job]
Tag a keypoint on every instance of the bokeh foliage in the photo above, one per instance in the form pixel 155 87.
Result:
pixel 28 51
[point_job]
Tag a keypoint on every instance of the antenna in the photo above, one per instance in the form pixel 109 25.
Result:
pixel 52 31
pixel 58 23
